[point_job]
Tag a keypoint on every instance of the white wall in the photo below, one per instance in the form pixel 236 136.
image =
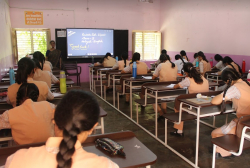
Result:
pixel 212 26
pixel 117 14
pixel 6 57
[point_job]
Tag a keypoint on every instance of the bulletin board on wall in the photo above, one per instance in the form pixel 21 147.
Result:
pixel 120 44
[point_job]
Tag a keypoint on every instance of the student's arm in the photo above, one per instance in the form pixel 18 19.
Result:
pixel 217 99
pixel 148 70
pixel 116 66
pixel 54 79
pixel 97 64
pixel 50 95
pixel 4 120
pixel 126 69
pixel 157 72
pixel 182 84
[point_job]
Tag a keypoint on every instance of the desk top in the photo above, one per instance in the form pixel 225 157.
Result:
pixel 131 79
pixel 202 102
pixel 137 154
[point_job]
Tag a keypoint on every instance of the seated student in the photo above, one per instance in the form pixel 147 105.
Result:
pixel 237 91
pixel 122 63
pixel 195 59
pixel 30 121
pixel 184 55
pixel 196 83
pixel 106 61
pixel 46 65
pixel 75 118
pixel 45 76
pixel 166 71
pixel 179 63
pixel 219 64
pixel 229 63
pixel 162 52
pixel 204 65
pixel 25 73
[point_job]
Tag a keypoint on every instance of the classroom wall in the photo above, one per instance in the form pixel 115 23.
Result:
pixel 210 26
pixel 6 57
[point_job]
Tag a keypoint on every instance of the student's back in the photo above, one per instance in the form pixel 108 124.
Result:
pixel 42 76
pixel 142 68
pixel 109 61
pixel 46 67
pixel 121 64
pixel 167 73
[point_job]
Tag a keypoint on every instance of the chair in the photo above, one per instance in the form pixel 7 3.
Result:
pixel 234 144
pixel 72 69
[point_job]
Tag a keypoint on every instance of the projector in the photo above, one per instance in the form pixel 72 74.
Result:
pixel 147 1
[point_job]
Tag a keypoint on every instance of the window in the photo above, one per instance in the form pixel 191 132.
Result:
pixel 30 40
pixel 147 43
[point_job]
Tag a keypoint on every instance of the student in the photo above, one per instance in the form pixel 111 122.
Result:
pixel 46 65
pixel 196 83
pixel 45 76
pixel 179 63
pixel 122 63
pixel 195 59
pixel 30 121
pixel 184 55
pixel 106 61
pixel 142 67
pixel 25 73
pixel 237 91
pixel 75 118
pixel 204 65
pixel 229 63
pixel 166 71
pixel 219 64
pixel 162 52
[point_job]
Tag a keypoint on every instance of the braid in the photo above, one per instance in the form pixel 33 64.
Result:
pixel 223 106
pixel 125 63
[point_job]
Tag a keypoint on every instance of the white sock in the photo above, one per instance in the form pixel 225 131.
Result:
pixel 179 131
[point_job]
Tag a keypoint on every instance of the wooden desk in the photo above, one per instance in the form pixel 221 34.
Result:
pixel 102 72
pixel 69 82
pixel 137 154
pixel 213 77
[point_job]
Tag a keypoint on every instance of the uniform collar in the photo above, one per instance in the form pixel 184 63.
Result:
pixel 29 79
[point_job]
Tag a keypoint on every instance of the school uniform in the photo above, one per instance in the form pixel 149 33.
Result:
pixel 109 62
pixel 120 64
pixel 179 64
pixel 204 66
pixel 142 68
pixel 45 76
pixel 44 91
pixel 220 65
pixel 31 122
pixel 45 156
pixel 239 94
pixel 165 72
pixel 193 87
pixel 47 66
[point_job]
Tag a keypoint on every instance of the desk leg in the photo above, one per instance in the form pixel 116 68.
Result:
pixel 166 131
pixel 102 124
pixel 214 121
pixel 197 137
pixel 118 104
pixel 137 113
pixel 156 114
pixel 105 89
pixel 113 91
pixel 214 152
pixel 130 100
pixel 101 83
pixel 226 118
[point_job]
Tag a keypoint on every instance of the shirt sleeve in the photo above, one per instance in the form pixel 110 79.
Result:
pixel 127 69
pixel 53 106
pixel 4 120
pixel 116 66
pixel 233 92
pixel 157 71
pixel 8 161
pixel 8 100
pixel 184 83
pixel 53 78
pixel 201 67
pixel 50 95
pixel 218 65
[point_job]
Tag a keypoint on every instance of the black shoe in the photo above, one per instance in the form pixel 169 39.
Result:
pixel 175 133
pixel 160 118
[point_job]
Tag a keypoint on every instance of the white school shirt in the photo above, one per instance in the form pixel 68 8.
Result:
pixel 179 64
pixel 220 65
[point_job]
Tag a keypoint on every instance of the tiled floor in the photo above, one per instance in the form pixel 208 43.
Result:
pixel 115 121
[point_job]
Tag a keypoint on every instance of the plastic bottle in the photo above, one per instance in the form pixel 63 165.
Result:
pixel 248 76
pixel 243 66
pixel 63 88
pixel 134 69
pixel 211 62
pixel 116 58
pixel 197 63
pixel 12 76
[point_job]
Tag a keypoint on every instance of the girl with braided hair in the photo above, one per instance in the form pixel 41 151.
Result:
pixel 196 83
pixel 237 91
pixel 30 121
pixel 46 65
pixel 204 64
pixel 25 74
pixel 179 63
pixel 106 61
pixel 229 63
pixel 122 63
pixel 75 118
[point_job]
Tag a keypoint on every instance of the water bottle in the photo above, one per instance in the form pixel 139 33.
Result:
pixel 12 76
pixel 243 66
pixel 211 62
pixel 197 63
pixel 248 76
pixel 116 58
pixel 134 70
pixel 63 88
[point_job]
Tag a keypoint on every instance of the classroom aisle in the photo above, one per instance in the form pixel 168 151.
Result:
pixel 185 145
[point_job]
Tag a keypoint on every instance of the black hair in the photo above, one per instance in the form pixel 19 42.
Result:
pixel 164 51
pixel 25 68
pixel 77 111
pixel 183 53
pixel 163 58
pixel 37 64
pixel 125 57
pixel 105 57
pixel 218 57
pixel 193 73
pixel 177 56
pixel 27 91
pixel 229 75
pixel 195 55
pixel 201 54
pixel 52 41
pixel 229 61
pixel 136 57
pixel 40 57
pixel 168 58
